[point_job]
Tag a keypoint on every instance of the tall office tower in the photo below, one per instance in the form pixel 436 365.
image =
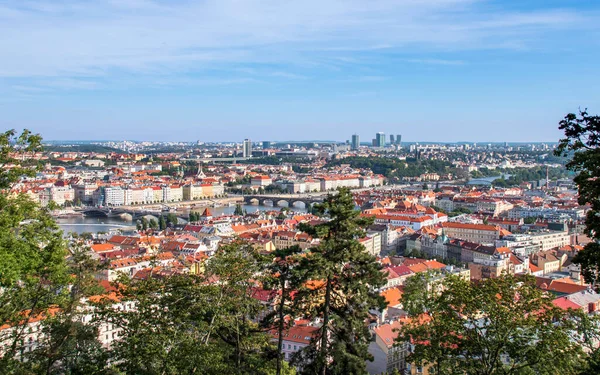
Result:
pixel 392 140
pixel 247 148
pixel 399 139
pixel 380 139
pixel 355 142
pixel 266 144
pixel 374 142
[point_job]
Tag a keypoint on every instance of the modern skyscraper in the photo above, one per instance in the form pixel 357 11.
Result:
pixel 266 144
pixel 355 142
pixel 380 139
pixel 399 139
pixel 392 140
pixel 247 148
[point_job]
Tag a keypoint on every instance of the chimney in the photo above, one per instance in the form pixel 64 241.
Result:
pixel 591 307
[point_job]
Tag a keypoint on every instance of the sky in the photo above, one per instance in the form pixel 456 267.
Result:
pixel 225 70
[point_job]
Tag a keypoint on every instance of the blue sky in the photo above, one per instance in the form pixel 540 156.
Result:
pixel 216 70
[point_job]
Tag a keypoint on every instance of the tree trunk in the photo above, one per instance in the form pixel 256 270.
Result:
pixel 324 348
pixel 280 330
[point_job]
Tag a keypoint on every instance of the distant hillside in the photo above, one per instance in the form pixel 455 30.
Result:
pixel 81 148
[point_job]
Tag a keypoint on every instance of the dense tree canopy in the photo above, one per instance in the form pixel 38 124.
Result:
pixel 498 326
pixel 33 268
pixel 582 139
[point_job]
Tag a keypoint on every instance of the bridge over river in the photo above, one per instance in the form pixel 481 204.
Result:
pixel 117 212
pixel 290 199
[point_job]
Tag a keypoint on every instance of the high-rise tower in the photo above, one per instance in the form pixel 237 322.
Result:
pixel 247 148
pixel 380 139
pixel 355 142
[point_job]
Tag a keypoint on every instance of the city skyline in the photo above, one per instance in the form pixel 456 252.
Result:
pixel 435 70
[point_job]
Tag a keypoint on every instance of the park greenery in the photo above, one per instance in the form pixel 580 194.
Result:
pixel 395 168
pixel 520 175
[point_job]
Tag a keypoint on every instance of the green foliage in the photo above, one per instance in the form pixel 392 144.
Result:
pixel 81 148
pixel 498 326
pixel 345 288
pixel 188 324
pixel 394 167
pixel 582 140
pixel 153 224
pixel 33 270
pixel 239 211
pixel 283 275
pixel 274 189
pixel 172 219
pixel 14 153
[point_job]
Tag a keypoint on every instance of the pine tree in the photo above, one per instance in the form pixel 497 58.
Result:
pixel 162 224
pixel 283 276
pixel 345 279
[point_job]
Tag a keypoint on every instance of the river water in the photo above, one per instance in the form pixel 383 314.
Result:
pixel 95 225
pixel 486 180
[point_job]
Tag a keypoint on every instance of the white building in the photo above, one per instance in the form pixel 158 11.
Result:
pixel 114 196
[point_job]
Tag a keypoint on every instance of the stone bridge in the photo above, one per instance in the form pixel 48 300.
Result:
pixel 277 199
pixel 117 212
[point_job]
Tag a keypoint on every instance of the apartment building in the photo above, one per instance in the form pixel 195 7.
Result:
pixel 479 233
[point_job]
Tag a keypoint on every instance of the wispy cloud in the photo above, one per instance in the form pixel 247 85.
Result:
pixel 84 40
pixel 435 61
pixel 287 75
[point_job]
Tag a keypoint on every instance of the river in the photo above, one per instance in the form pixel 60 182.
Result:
pixel 486 180
pixel 95 225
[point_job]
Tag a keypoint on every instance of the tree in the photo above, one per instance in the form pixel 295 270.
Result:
pixel 239 211
pixel 582 143
pixel 235 266
pixel 344 289
pixel 162 223
pixel 190 324
pixel 504 325
pixel 69 346
pixel 172 219
pixel 144 223
pixel 153 224
pixel 33 271
pixel 282 275
pixel 14 156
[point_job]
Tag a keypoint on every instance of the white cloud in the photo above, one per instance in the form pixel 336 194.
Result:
pixel 69 39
